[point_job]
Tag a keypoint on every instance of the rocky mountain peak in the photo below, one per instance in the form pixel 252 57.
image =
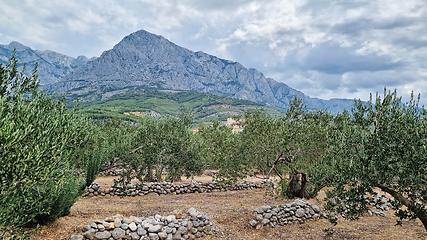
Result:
pixel 152 61
pixel 144 46
pixel 18 46
pixel 52 66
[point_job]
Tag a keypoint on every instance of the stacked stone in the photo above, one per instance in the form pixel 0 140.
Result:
pixel 111 172
pixel 175 226
pixel 95 190
pixel 299 211
pixel 380 204
pixel 211 172
pixel 165 188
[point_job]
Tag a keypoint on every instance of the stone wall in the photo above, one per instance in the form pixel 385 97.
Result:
pixel 379 204
pixel 193 224
pixel 165 188
pixel 111 172
pixel 299 211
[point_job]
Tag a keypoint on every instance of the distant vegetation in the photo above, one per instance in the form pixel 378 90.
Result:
pixel 206 107
pixel 50 153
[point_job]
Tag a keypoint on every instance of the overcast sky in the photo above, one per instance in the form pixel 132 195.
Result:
pixel 324 48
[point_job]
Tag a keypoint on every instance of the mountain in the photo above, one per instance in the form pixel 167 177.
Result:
pixel 152 61
pixel 52 66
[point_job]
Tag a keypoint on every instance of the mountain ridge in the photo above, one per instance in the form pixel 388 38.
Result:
pixel 52 66
pixel 147 60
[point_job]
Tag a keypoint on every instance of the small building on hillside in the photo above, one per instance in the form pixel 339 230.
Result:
pixel 236 125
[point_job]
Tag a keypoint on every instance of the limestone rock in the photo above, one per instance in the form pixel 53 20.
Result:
pixel 155 229
pixel 102 235
pixel 132 227
pixel 162 235
pixel 145 59
pixel 118 233
pixel 299 213
pixel 90 234
pixel 177 213
pixel 134 236
pixel 141 231
pixel 117 222
pixel 76 237
pixel 253 222
pixel 153 236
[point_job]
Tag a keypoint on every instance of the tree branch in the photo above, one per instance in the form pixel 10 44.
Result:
pixel 278 174
pixel 113 164
pixel 396 195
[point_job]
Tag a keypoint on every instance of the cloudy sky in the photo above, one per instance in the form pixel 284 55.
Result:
pixel 325 48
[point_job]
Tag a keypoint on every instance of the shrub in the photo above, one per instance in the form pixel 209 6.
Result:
pixel 38 140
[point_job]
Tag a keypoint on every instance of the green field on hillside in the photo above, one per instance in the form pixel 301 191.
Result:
pixel 206 107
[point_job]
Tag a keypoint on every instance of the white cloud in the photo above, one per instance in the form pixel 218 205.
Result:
pixel 326 49
pixel 201 32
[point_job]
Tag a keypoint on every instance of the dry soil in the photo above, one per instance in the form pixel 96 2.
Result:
pixel 231 210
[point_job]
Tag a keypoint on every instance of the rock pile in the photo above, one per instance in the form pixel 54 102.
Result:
pixel 380 204
pixel 212 172
pixel 111 172
pixel 299 211
pixel 175 226
pixel 165 188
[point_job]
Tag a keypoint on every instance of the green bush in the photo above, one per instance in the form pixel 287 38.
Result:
pixel 37 137
pixel 38 142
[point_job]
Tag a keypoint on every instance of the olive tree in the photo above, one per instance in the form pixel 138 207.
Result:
pixel 14 83
pixel 380 144
pixel 111 140
pixel 164 146
pixel 223 152
pixel 38 140
pixel 286 146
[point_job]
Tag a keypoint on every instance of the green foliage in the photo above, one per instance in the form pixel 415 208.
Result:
pixel 222 150
pixel 288 146
pixel 13 83
pixel 38 138
pixel 164 145
pixel 380 145
pixel 111 140
pixel 206 107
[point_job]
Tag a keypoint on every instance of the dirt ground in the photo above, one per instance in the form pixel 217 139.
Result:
pixel 231 210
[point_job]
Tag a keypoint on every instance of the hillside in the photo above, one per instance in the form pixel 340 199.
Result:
pixel 151 61
pixel 130 103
